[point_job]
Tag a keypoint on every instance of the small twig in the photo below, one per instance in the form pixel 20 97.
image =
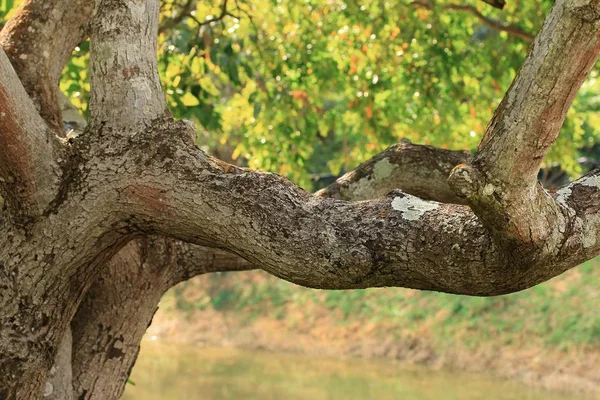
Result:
pixel 496 3
pixel 512 30
pixel 186 11
pixel 224 13
pixel 256 28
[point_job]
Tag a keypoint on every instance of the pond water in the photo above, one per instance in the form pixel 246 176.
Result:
pixel 185 372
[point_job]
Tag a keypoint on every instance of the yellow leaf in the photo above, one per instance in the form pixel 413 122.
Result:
pixel 189 100
pixel 236 153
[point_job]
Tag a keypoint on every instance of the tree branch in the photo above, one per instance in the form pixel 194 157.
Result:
pixel 495 3
pixel 318 242
pixel 30 42
pixel 269 221
pixel 501 183
pixel 415 169
pixel 186 11
pixel 123 66
pixel 136 278
pixel 512 30
pixel 29 173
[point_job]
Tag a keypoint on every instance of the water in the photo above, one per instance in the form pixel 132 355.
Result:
pixel 185 372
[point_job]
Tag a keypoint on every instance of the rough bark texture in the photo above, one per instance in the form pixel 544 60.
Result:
pixel 39 40
pixel 421 171
pixel 72 205
pixel 122 301
pixel 112 319
pixel 501 183
pixel 29 170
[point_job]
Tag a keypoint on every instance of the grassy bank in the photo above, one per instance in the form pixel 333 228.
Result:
pixel 551 331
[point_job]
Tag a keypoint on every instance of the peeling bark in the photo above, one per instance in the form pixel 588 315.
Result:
pixel 59 385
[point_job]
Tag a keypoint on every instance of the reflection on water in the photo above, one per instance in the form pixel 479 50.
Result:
pixel 181 372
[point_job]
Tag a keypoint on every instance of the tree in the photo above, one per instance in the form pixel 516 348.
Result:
pixel 134 186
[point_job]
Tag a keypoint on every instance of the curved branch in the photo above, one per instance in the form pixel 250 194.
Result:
pixel 512 30
pixel 30 41
pixel 272 223
pixel 395 241
pixel 121 303
pixel 184 12
pixel 415 169
pixel 495 3
pixel 501 183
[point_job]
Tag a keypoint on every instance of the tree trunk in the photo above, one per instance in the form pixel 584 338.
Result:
pixel 118 308
pixel 71 205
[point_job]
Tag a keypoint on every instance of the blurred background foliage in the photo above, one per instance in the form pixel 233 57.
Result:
pixel 311 88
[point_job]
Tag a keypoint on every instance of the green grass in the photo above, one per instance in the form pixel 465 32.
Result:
pixel 562 313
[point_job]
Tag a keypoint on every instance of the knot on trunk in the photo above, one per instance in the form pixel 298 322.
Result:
pixel 464 180
pixel 589 11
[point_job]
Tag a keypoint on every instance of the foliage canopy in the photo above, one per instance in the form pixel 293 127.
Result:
pixel 308 88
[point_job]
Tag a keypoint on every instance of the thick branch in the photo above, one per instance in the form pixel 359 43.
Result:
pixel 501 184
pixel 126 89
pixel 39 40
pixel 270 222
pixel 531 114
pixel 415 169
pixel 396 241
pixel 28 149
pixel 120 304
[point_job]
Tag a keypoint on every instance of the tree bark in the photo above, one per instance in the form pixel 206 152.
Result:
pixel 29 171
pixel 118 308
pixel 421 171
pixel 60 381
pixel 72 205
pixel 121 302
pixel 30 41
